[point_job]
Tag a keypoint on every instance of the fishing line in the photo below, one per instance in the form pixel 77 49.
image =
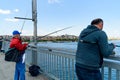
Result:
pixel 23 23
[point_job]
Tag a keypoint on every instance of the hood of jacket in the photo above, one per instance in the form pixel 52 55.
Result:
pixel 88 30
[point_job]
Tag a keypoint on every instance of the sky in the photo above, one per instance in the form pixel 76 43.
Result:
pixel 57 14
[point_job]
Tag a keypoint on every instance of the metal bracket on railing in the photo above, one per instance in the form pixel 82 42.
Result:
pixel 50 50
pixel 33 47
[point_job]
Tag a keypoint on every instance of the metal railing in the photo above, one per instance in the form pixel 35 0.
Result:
pixel 111 68
pixel 56 63
pixel 60 63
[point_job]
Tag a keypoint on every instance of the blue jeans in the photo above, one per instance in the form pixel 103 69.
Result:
pixel 19 71
pixel 86 74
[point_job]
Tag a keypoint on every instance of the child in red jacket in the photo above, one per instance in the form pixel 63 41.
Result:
pixel 16 42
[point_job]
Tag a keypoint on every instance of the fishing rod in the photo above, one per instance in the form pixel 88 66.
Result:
pixel 117 45
pixel 55 32
pixel 23 24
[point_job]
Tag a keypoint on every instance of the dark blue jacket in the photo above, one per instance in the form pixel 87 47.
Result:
pixel 0 43
pixel 92 47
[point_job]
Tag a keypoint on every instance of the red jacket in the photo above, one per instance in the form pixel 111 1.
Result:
pixel 17 43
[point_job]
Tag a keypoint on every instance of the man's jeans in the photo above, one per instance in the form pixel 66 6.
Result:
pixel 85 74
pixel 19 71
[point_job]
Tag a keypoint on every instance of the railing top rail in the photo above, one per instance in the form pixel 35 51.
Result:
pixel 112 64
pixel 114 57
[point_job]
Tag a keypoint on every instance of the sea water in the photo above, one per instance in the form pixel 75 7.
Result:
pixel 73 45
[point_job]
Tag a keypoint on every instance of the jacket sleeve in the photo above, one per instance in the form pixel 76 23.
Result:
pixel 20 46
pixel 105 48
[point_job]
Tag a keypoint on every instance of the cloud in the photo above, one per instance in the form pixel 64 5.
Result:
pixel 53 1
pixel 5 11
pixel 11 20
pixel 16 10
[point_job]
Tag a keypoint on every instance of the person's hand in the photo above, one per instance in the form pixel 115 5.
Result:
pixel 25 43
pixel 113 53
pixel 114 45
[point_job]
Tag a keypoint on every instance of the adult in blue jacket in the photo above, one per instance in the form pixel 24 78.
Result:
pixel 92 47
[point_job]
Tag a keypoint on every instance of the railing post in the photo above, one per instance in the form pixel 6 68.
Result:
pixel 34 57
pixel 73 69
pixel 102 72
pixel 109 73
pixel 69 69
pixel 63 68
pixel 117 75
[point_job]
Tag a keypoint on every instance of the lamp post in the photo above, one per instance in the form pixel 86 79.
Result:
pixel 34 19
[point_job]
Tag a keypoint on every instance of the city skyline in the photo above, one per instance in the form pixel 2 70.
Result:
pixel 57 14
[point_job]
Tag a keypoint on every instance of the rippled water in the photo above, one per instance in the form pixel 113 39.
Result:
pixel 73 45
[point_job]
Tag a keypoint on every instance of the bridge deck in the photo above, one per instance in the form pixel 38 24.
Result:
pixel 7 71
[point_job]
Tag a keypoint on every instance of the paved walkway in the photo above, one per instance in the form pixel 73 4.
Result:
pixel 7 71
